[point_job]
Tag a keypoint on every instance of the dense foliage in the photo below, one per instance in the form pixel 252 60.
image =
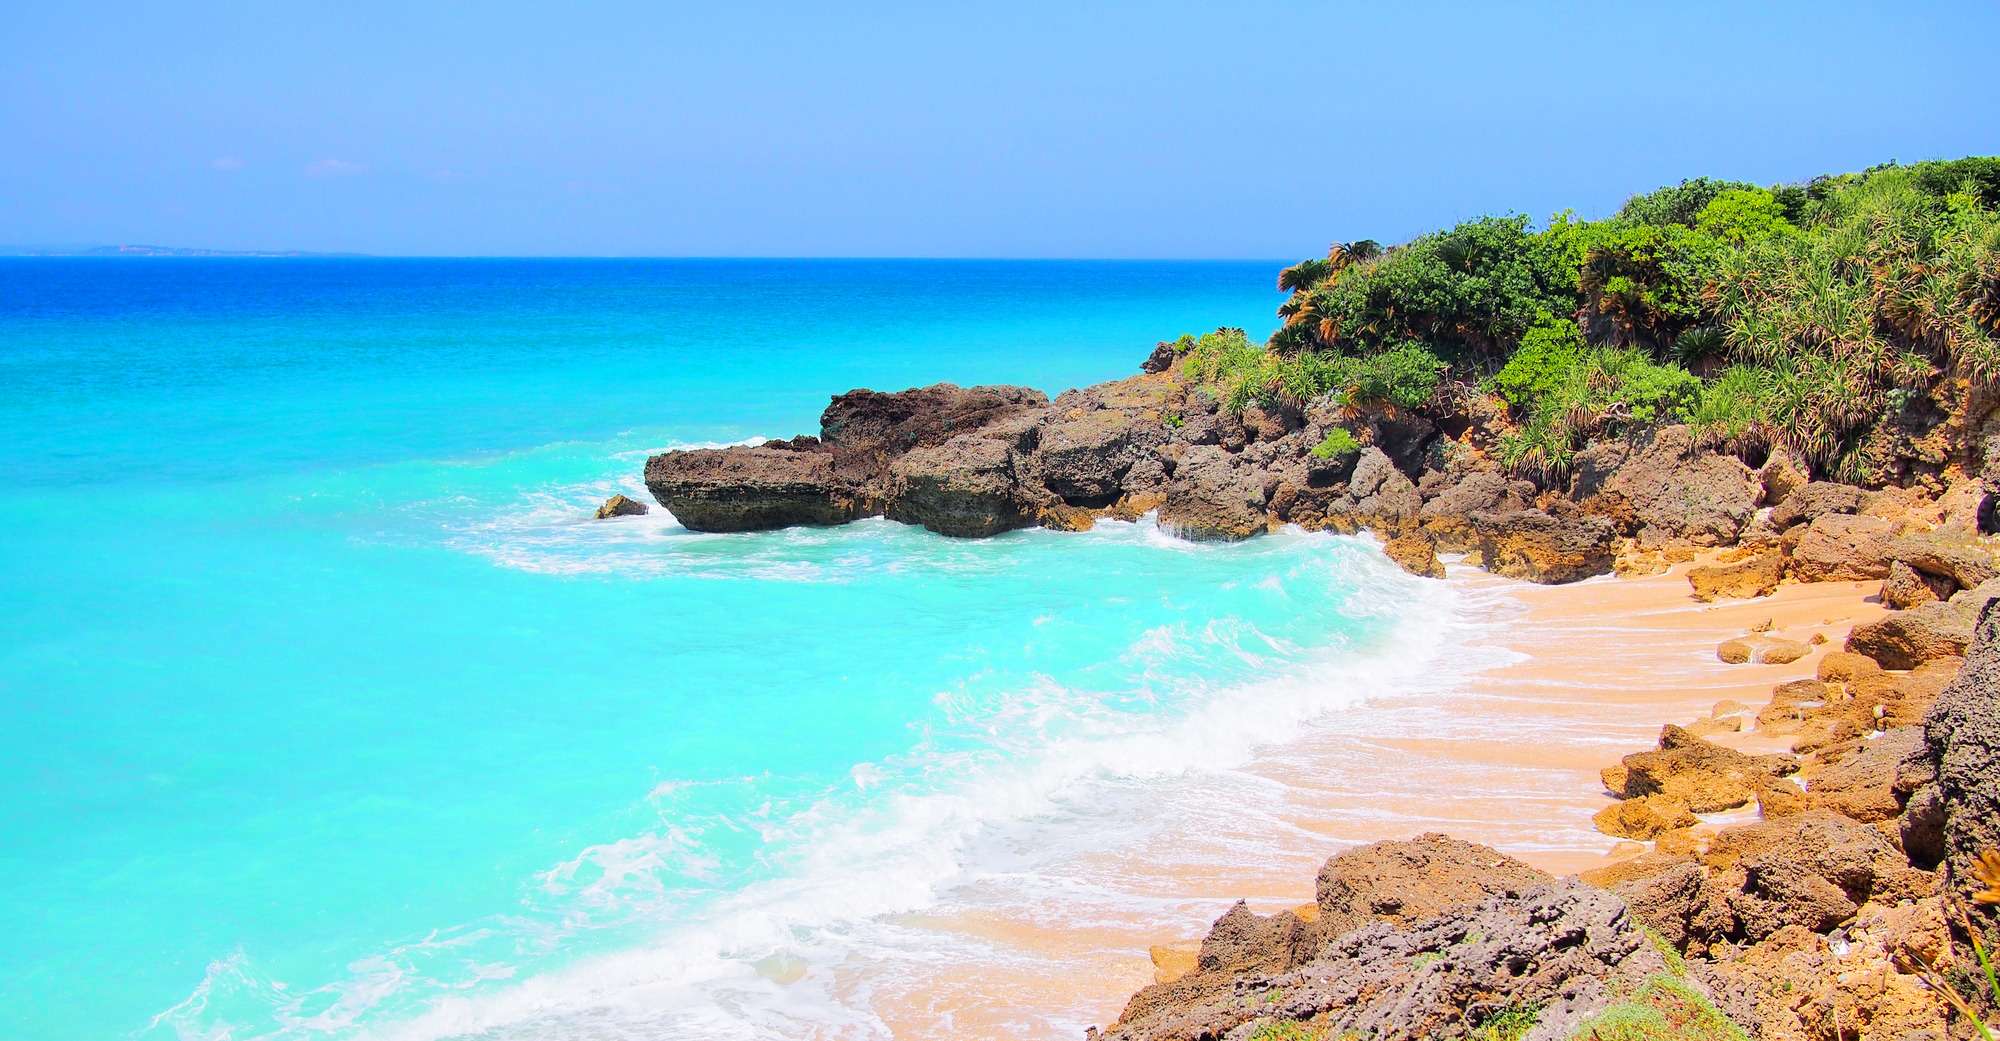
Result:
pixel 1799 315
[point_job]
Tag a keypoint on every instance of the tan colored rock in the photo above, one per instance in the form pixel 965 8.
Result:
pixel 1907 639
pixel 1404 882
pixel 1724 725
pixel 1135 505
pixel 1171 961
pixel 1684 841
pixel 1537 547
pixel 1702 774
pixel 1761 650
pixel 1755 577
pixel 1730 707
pixel 1780 476
pixel 1067 518
pixel 1844 548
pixel 1645 817
pixel 1843 666
pixel 1906 587
pixel 620 506
pixel 1863 785
pixel 1637 563
pixel 1645 865
pixel 1781 799
pixel 1414 553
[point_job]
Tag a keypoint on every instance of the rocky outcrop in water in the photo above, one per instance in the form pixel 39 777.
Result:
pixel 620 506
pixel 974 462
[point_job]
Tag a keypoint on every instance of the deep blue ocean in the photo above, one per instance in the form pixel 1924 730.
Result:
pixel 327 712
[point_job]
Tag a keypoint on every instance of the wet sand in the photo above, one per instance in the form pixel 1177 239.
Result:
pixel 1505 750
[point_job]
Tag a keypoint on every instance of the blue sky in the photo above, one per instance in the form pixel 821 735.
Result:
pixel 1019 130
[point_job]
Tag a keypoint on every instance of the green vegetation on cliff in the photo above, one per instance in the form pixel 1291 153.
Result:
pixel 1838 319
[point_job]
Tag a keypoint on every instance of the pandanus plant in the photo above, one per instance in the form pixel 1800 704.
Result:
pixel 1304 325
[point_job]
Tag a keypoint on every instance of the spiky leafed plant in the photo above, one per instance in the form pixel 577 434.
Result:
pixel 1306 274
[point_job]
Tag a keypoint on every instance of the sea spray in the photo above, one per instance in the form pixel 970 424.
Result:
pixel 1019 765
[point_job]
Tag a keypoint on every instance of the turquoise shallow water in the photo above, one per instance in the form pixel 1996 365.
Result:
pixel 324 711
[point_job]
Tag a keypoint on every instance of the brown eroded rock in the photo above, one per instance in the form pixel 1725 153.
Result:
pixel 1755 577
pixel 1559 946
pixel 1781 799
pixel 1814 869
pixel 1906 587
pixel 1863 785
pixel 1447 513
pixel 1213 498
pixel 620 506
pixel 1241 941
pixel 866 430
pixel 1706 776
pixel 1061 517
pixel 1644 817
pixel 1907 639
pixel 1962 561
pixel 750 489
pixel 1842 548
pixel 967 487
pixel 1378 498
pixel 1761 650
pixel 1681 492
pixel 1816 500
pixel 1780 476
pixel 1953 813
pixel 1414 553
pixel 1404 882
pixel 1532 545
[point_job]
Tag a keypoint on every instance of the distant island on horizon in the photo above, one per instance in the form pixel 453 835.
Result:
pixel 172 251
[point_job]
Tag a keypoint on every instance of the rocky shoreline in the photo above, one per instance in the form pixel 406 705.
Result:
pixel 975 462
pixel 1833 915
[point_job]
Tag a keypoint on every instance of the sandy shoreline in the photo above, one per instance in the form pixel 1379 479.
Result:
pixel 1570 679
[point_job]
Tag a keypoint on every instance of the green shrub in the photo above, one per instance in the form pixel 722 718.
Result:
pixel 1648 282
pixel 1338 442
pixel 1287 1030
pixel 1244 374
pixel 1406 377
pixel 1465 293
pixel 1607 390
pixel 1664 1009
pixel 1741 216
pixel 1509 1024
pixel 1677 203
pixel 1541 364
pixel 1732 408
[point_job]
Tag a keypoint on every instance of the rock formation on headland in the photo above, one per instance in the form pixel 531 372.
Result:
pixel 974 462
pixel 1836 916
pixel 1805 372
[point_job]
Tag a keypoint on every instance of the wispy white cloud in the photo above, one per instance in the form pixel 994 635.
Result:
pixel 333 168
pixel 227 162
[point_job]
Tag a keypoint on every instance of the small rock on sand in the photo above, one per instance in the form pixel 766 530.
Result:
pixel 1761 650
